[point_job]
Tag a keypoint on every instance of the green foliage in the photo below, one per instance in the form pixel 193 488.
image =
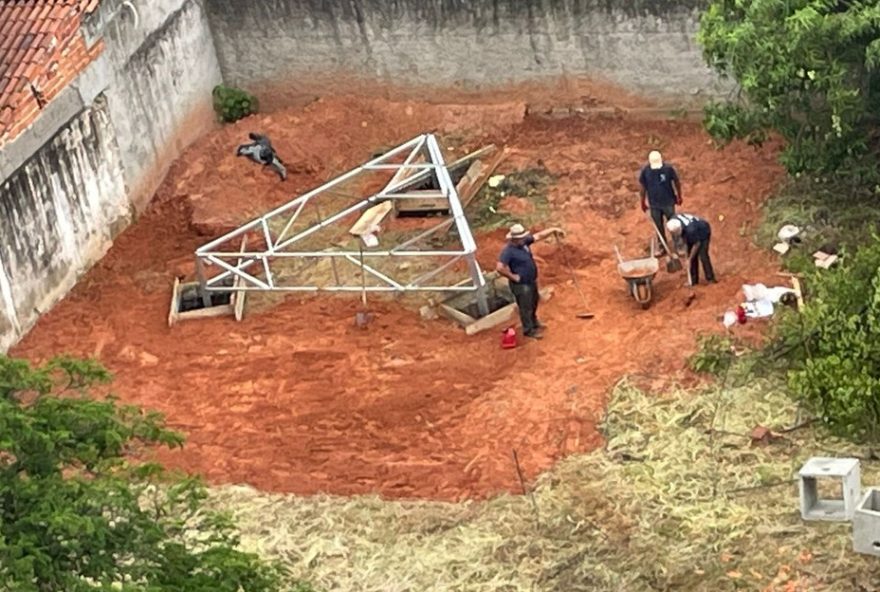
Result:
pixel 714 354
pixel 806 69
pixel 531 184
pixel 834 345
pixel 232 104
pixel 834 212
pixel 76 516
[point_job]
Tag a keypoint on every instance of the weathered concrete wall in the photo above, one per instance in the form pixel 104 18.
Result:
pixel 59 213
pixel 645 46
pixel 73 180
pixel 160 97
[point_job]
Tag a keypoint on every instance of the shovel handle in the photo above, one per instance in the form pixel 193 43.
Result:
pixel 659 234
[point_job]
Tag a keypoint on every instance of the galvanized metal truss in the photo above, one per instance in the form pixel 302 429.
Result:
pixel 252 270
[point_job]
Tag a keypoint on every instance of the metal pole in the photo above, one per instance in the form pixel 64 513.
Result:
pixel 203 292
pixel 479 283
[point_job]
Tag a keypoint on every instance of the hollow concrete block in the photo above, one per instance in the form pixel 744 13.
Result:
pixel 866 523
pixel 844 470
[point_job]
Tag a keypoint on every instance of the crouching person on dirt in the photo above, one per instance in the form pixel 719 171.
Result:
pixel 518 266
pixel 260 151
pixel 696 233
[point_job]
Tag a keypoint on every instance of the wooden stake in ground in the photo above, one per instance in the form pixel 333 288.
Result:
pixel 522 484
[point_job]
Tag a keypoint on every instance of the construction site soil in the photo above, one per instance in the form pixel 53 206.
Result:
pixel 296 398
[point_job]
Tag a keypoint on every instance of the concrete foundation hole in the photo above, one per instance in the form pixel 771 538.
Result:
pixel 190 299
pixel 497 301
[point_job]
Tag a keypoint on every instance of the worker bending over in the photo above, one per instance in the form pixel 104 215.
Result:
pixel 260 151
pixel 518 266
pixel 696 233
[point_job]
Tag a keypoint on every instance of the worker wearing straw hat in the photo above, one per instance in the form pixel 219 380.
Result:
pixel 518 266
pixel 660 190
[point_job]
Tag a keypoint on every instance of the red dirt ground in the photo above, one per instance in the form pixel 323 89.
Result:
pixel 296 399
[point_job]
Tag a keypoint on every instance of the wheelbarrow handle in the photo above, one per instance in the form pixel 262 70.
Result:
pixel 619 257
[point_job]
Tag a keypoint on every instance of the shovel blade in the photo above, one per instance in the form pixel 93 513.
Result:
pixel 362 319
pixel 673 265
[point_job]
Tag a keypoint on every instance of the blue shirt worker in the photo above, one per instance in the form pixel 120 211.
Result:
pixel 696 233
pixel 260 151
pixel 660 190
pixel 518 266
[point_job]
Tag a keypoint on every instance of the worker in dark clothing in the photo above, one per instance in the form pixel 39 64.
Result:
pixel 696 233
pixel 260 151
pixel 660 191
pixel 518 266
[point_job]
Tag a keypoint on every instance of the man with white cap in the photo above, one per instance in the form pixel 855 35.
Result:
pixel 518 266
pixel 660 190
pixel 696 233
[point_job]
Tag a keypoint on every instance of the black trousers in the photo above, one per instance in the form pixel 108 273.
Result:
pixel 701 257
pixel 661 215
pixel 526 296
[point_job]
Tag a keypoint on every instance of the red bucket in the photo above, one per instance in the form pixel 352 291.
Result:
pixel 508 338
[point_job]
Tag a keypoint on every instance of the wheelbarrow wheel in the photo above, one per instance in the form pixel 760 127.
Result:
pixel 642 293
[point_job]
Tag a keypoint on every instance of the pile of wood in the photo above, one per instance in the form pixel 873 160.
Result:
pixel 469 173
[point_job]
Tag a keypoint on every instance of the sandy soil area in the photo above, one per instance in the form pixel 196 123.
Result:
pixel 297 399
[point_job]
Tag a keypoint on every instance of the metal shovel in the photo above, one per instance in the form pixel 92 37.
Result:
pixel 574 279
pixel 673 263
pixel 362 317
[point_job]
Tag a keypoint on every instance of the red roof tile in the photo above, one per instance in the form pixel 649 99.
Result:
pixel 35 35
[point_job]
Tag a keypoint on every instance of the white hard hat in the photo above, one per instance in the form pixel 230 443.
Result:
pixel 673 226
pixel 655 159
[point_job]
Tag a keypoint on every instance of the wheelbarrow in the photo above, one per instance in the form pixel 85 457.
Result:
pixel 639 275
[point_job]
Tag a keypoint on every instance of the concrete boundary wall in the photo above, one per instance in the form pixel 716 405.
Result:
pixel 644 46
pixel 76 178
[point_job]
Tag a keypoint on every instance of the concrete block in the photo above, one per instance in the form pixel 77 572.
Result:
pixel 866 523
pixel 846 471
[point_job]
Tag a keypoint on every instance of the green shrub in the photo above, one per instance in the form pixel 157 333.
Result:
pixel 232 104
pixel 76 515
pixel 714 354
pixel 806 70
pixel 531 184
pixel 834 345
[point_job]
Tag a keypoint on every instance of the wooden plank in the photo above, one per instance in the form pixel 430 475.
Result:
pixel 467 192
pixel 796 283
pixel 203 313
pixel 239 296
pixel 503 315
pixel 454 315
pixel 462 162
pixel 369 220
pixel 427 204
pixel 172 313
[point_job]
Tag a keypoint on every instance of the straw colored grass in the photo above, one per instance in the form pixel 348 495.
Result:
pixel 669 504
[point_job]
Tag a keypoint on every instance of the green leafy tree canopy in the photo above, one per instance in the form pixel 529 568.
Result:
pixel 76 516
pixel 806 69
pixel 835 345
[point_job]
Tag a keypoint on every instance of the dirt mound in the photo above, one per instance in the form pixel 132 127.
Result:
pixel 296 399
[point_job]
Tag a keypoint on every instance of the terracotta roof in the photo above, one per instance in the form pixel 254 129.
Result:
pixel 38 39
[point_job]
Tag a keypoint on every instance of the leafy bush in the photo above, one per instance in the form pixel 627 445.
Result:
pixel 75 516
pixel 806 69
pixel 531 184
pixel 834 345
pixel 714 354
pixel 232 104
